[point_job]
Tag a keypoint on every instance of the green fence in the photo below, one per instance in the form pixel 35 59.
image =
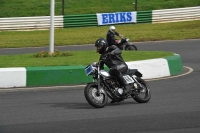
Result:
pixel 85 20
pixel 80 20
pixel 144 17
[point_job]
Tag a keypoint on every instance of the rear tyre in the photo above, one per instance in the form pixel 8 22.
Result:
pixel 130 47
pixel 92 97
pixel 142 94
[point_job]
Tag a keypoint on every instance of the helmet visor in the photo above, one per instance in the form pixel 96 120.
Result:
pixel 99 47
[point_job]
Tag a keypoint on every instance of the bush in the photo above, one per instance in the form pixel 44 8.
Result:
pixel 57 53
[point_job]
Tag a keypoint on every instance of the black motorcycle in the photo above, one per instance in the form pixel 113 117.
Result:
pixel 124 44
pixel 104 85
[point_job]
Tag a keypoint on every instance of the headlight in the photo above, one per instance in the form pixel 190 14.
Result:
pixel 94 64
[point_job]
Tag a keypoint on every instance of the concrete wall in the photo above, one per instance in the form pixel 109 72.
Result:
pixel 69 75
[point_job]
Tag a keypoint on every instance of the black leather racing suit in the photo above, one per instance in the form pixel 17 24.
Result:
pixel 115 62
pixel 111 38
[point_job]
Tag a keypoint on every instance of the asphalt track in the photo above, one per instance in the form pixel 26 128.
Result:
pixel 173 108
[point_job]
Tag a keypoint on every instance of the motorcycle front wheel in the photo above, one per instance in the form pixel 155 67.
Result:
pixel 130 47
pixel 93 98
pixel 142 94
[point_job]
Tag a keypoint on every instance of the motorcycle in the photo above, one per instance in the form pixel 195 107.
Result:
pixel 104 85
pixel 124 44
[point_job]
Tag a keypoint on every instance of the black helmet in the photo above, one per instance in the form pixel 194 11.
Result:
pixel 101 45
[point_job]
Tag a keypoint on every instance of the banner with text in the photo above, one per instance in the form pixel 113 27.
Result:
pixel 115 18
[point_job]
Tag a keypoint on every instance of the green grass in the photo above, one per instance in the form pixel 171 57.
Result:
pixel 21 8
pixel 88 35
pixel 78 58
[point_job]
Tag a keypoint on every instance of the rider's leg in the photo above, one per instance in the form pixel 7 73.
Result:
pixel 115 72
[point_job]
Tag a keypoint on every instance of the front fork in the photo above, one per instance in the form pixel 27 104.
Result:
pixel 99 83
pixel 140 85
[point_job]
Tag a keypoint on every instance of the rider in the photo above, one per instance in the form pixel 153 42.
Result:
pixel 111 36
pixel 116 63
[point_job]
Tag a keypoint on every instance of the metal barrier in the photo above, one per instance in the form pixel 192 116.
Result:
pixel 144 16
pixel 85 20
pixel 26 23
pixel 91 19
pixel 176 15
pixel 80 20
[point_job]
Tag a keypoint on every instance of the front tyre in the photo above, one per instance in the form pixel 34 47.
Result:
pixel 142 94
pixel 92 97
pixel 130 47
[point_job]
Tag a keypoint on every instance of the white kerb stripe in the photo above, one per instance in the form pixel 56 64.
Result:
pixel 153 68
pixel 12 77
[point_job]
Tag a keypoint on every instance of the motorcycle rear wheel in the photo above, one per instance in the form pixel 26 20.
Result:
pixel 142 95
pixel 130 47
pixel 95 100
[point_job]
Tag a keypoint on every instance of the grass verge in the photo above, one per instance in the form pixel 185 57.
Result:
pixel 88 35
pixel 78 58
pixel 21 8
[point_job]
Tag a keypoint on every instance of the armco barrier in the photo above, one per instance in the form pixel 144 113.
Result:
pixel 85 20
pixel 25 23
pixel 66 21
pixel 91 19
pixel 70 75
pixel 176 15
pixel 144 17
pixel 80 20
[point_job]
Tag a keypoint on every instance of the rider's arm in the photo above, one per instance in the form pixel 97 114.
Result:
pixel 114 50
pixel 117 34
pixel 102 63
pixel 112 37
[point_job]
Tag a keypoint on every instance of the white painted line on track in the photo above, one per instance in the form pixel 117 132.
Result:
pixel 40 88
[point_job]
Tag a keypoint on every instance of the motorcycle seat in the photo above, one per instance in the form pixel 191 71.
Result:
pixel 134 71
pixel 131 71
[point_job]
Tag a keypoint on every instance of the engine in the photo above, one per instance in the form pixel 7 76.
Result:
pixel 115 87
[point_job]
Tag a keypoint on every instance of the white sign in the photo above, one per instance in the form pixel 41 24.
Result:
pixel 115 18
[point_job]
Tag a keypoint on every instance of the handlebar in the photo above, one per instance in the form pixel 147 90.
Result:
pixel 121 36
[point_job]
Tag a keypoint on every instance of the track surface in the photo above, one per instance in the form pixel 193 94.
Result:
pixel 173 108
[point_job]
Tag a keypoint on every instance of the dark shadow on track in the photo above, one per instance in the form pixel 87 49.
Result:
pixel 85 105
pixel 122 103
pixel 70 105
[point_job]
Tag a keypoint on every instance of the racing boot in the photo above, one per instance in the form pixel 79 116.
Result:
pixel 127 89
pixel 113 101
